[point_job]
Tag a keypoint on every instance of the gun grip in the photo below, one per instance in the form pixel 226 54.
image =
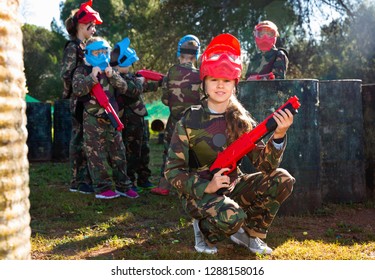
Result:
pixel 112 120
pixel 271 123
pixel 222 191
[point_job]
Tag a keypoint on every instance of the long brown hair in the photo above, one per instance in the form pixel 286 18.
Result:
pixel 239 120
pixel 71 24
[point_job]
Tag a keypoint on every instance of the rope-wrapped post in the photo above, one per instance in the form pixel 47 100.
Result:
pixel 14 166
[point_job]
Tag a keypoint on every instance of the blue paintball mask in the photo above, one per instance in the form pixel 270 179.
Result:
pixel 127 55
pixel 101 59
pixel 194 51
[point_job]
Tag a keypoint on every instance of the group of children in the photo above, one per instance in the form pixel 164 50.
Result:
pixel 205 117
pixel 104 160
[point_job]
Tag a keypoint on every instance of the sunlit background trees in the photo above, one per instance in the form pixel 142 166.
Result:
pixel 326 39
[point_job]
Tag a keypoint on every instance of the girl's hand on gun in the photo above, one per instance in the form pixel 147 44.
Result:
pixel 142 79
pixel 284 120
pixel 94 74
pixel 219 180
pixel 108 71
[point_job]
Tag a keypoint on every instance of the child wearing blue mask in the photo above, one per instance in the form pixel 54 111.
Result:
pixel 103 144
pixel 132 113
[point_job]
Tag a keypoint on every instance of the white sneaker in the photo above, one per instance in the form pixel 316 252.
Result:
pixel 201 245
pixel 255 245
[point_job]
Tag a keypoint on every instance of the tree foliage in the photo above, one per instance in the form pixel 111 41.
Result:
pixel 42 56
pixel 155 27
pixel 345 50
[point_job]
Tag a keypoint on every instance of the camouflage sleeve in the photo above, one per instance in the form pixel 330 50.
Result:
pixel 165 91
pixel 150 86
pixel 281 65
pixel 252 66
pixel 265 157
pixel 68 64
pixel 248 71
pixel 82 83
pixel 177 166
pixel 119 83
pixel 135 88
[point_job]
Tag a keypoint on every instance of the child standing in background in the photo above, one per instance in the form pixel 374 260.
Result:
pixel 132 112
pixel 270 60
pixel 103 144
pixel 180 91
pixel 81 25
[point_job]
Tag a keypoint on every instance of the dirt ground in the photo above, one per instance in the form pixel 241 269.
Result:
pixel 355 223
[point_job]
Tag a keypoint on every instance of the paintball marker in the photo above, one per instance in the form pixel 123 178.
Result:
pixel 103 101
pixel 247 142
pixel 150 75
pixel 268 76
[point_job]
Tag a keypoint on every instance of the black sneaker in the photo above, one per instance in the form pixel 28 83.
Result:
pixel 146 185
pixel 85 188
pixel 73 188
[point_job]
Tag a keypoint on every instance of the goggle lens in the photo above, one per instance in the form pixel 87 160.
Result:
pixel 232 58
pixel 264 32
pixel 101 51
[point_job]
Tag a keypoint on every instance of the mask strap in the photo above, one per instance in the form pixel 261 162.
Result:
pixel 188 51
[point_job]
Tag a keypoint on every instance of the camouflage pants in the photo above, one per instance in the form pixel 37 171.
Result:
pixel 78 161
pixel 253 205
pixel 163 183
pixel 144 172
pixel 135 138
pixel 105 152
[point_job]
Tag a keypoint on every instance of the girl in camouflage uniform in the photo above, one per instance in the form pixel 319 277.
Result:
pixel 269 59
pixel 80 26
pixel 251 201
pixel 180 91
pixel 103 144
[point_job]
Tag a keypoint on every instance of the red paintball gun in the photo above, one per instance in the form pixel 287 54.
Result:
pixel 103 101
pixel 268 76
pixel 247 142
pixel 150 75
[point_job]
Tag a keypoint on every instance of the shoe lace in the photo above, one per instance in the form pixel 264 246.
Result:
pixel 260 243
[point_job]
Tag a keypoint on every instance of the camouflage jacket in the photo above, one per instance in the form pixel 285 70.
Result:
pixel 180 89
pixel 83 83
pixel 133 96
pixel 274 60
pixel 198 138
pixel 72 57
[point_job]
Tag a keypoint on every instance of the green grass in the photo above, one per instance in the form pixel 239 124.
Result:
pixel 69 225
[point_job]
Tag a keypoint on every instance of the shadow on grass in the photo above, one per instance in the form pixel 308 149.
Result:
pixel 69 225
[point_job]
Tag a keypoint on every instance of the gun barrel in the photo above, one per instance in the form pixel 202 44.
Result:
pixel 103 101
pixel 150 75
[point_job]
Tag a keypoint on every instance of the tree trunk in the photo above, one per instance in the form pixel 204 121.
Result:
pixel 14 167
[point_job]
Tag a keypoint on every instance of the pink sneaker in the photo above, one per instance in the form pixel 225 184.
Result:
pixel 130 193
pixel 108 194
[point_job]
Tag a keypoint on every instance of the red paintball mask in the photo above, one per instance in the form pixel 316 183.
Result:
pixel 86 14
pixel 222 58
pixel 265 34
pixel 265 43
